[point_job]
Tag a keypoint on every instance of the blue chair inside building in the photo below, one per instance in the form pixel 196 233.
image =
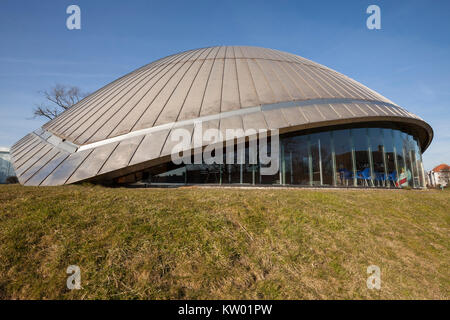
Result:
pixel 345 175
pixel 392 177
pixel 364 175
pixel 380 178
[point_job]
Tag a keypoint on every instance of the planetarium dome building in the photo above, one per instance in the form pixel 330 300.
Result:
pixel 333 131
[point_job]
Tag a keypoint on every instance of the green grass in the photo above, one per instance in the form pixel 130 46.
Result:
pixel 212 243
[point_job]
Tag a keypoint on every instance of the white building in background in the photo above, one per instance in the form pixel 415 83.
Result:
pixel 440 175
pixel 6 167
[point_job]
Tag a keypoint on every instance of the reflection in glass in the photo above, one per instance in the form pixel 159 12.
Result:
pixel 362 157
pixel 343 153
pixel 379 171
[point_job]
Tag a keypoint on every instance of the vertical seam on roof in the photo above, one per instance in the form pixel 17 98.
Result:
pixel 132 108
pixel 254 87
pixel 17 158
pixel 137 102
pixel 152 70
pixel 376 95
pixel 407 113
pixel 67 114
pixel 252 81
pixel 348 84
pixel 304 114
pixel 402 112
pixel 203 98
pixel 390 110
pixel 134 73
pixel 17 146
pixel 51 172
pixel 277 76
pixel 381 109
pixel 109 93
pixel 319 80
pixel 237 79
pixel 302 79
pixel 238 88
pixel 268 85
pixel 134 152
pixel 19 151
pixel 55 122
pixel 206 83
pixel 115 82
pixel 292 79
pixel 349 91
pixel 319 112
pixel 370 108
pixel 117 106
pixel 175 88
pixel 348 109
pixel 43 166
pixel 165 141
pixel 30 166
pixel 301 73
pixel 192 83
pixel 105 161
pixel 176 85
pixel 160 90
pixel 98 96
pixel 338 114
pixel 356 85
pixel 17 167
pixel 19 143
pixel 290 65
pixel 223 73
pixel 265 78
pixel 362 110
pixel 78 166
pixel 281 83
pixel 147 76
pixel 95 107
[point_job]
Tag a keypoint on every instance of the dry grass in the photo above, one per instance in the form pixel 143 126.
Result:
pixel 223 243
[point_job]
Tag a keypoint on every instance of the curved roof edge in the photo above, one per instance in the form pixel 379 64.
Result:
pixel 39 161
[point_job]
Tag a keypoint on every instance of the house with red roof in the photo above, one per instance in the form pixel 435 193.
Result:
pixel 440 175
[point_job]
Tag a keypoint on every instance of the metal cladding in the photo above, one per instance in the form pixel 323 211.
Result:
pixel 126 125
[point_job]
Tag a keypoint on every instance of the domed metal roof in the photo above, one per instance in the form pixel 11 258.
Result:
pixel 126 125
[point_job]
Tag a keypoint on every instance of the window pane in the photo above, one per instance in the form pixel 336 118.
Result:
pixel 270 179
pixel 326 157
pixel 400 141
pixel 203 173
pixel 361 146
pixel 378 156
pixel 167 173
pixel 344 167
pixel 418 156
pixel 412 161
pixel 391 160
pixel 297 147
pixel 316 159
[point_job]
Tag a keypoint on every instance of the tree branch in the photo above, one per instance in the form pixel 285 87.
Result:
pixel 61 98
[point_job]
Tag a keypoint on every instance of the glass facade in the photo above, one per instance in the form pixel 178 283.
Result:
pixel 341 157
pixel 6 168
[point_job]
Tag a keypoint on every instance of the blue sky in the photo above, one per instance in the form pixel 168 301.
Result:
pixel 408 60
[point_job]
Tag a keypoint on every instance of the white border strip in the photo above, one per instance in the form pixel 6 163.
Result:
pixel 71 147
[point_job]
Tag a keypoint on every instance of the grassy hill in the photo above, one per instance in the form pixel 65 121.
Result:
pixel 223 243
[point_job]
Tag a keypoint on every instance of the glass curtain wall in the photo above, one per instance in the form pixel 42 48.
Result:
pixel 356 157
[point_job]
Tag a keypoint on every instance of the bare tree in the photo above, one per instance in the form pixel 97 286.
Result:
pixel 59 98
